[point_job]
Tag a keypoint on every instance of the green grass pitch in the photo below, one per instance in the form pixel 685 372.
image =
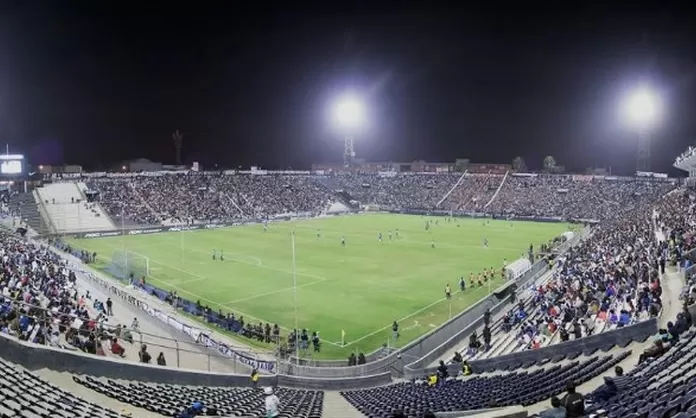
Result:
pixel 360 288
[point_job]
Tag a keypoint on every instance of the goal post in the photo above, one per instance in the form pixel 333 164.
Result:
pixel 126 264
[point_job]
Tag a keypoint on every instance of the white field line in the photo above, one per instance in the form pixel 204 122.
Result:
pixel 287 289
pixel 263 266
pixel 423 309
pixel 211 302
pixel 198 297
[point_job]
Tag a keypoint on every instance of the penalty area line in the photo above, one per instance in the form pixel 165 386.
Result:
pixel 423 309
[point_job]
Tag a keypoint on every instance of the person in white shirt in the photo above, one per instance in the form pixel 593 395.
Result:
pixel 272 403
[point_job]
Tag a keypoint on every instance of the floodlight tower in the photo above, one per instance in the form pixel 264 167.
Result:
pixel 643 111
pixel 349 117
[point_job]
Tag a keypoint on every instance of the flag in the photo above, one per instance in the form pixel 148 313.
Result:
pixel 343 337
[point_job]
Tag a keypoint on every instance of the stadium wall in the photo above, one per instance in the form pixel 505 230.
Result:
pixel 35 357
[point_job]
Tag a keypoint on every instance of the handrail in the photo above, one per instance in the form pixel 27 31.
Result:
pixel 497 190
pixel 452 189
pixel 44 212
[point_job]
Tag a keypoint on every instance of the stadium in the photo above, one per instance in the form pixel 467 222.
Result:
pixel 351 292
pixel 134 288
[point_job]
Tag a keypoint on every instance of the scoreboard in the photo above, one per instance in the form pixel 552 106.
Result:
pixel 11 165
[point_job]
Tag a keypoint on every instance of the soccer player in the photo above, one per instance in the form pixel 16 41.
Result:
pixel 448 291
pixel 462 284
pixel 343 241
pixel 485 242
pixel 390 235
pixel 379 237
pixel 485 275
pixel 427 225
pixel 222 255
pixel 214 255
pixel 504 262
pixel 432 244
pixel 397 232
pixel 318 233
pixel 265 227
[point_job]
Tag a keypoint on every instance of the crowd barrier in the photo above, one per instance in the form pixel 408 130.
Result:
pixel 618 337
pixel 198 335
pixel 35 357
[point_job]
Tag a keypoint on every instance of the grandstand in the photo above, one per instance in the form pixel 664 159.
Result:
pixel 592 300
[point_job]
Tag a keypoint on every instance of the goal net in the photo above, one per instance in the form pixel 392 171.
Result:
pixel 127 264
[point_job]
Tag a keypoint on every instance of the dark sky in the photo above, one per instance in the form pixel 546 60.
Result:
pixel 249 82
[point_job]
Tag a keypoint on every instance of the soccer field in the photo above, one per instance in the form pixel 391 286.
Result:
pixel 360 287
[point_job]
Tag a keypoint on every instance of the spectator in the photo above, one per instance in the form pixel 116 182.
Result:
pixel 573 402
pixel 117 349
pixel 160 359
pixel 272 403
pixel 255 378
pixel 143 355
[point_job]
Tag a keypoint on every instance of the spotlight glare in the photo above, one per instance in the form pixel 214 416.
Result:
pixel 643 108
pixel 349 113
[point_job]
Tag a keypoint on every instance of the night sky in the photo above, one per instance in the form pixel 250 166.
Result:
pixel 249 83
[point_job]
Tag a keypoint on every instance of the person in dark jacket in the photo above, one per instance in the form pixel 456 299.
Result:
pixel 573 402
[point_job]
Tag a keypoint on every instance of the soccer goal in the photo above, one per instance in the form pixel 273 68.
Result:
pixel 126 264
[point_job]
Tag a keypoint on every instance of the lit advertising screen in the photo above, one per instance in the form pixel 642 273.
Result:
pixel 11 165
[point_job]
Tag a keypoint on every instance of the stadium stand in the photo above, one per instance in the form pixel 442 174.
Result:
pixel 23 394
pixel 179 198
pixel 440 394
pixel 473 193
pixel 169 400
pixel 215 197
pixel 574 196
pixel 610 281
pixel 69 211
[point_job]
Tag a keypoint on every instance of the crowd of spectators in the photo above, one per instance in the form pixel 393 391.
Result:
pixel 581 197
pixel 192 197
pixel 207 197
pixel 403 191
pixel 473 193
pixel 41 303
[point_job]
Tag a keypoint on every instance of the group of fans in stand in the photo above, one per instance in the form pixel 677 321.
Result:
pixel 207 197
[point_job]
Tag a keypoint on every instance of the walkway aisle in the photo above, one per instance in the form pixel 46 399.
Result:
pixel 335 405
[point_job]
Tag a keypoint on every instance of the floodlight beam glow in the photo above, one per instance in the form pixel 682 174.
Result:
pixel 643 108
pixel 349 113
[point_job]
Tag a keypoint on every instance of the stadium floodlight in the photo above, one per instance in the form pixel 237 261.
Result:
pixel 643 108
pixel 348 114
pixel 642 111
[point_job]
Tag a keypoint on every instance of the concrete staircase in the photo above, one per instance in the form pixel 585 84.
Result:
pixel 336 405
pixel 68 212
pixel 25 204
